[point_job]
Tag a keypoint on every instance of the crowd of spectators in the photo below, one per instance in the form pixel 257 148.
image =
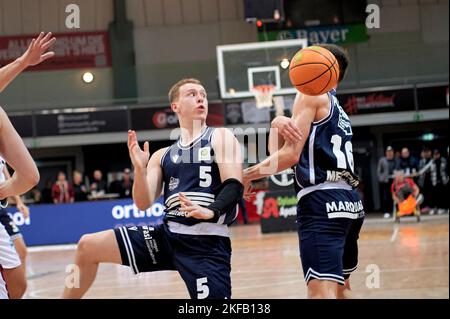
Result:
pixel 430 173
pixel 81 188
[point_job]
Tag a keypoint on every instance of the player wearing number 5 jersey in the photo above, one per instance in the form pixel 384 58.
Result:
pixel 330 212
pixel 201 174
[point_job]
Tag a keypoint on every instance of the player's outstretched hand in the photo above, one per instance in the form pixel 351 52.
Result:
pixel 249 194
pixel 35 53
pixel 139 157
pixel 248 188
pixel 194 210
pixel 288 129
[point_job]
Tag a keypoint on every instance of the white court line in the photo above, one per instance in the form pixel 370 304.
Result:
pixel 394 234
pixel 37 249
pixel 381 220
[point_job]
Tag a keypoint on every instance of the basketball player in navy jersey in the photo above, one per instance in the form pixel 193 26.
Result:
pixel 329 212
pixel 26 175
pixel 201 175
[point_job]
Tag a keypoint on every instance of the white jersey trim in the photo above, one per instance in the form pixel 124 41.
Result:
pixel 9 259
pixel 312 138
pixel 161 162
pixel 200 202
pixel 191 195
pixel 3 289
pixel 195 141
pixel 349 271
pixel 330 112
pixel 199 229
pixel 343 215
pixel 323 186
pixel 311 273
pixel 2 164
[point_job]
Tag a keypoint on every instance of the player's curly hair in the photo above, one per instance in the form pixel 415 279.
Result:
pixel 174 92
pixel 341 56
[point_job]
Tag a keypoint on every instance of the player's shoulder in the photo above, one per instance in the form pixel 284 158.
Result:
pixel 222 135
pixel 160 153
pixel 222 130
pixel 309 101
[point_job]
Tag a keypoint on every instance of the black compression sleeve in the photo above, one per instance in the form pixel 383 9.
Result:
pixel 227 199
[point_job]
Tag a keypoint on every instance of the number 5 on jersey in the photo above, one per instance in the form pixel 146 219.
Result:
pixel 205 176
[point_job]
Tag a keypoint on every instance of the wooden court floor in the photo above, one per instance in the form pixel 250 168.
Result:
pixel 411 260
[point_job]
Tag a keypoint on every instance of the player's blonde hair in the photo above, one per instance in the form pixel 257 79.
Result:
pixel 174 92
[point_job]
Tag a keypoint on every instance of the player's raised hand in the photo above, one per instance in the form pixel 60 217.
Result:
pixel 288 129
pixel 139 157
pixel 36 52
pixel 194 210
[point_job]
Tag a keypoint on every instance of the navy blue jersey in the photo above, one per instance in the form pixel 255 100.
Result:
pixel 328 152
pixel 193 171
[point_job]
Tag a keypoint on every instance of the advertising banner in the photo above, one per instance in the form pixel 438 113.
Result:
pixel 345 34
pixel 279 212
pixel 56 224
pixel 377 101
pixel 72 50
pixel 153 118
pixel 81 123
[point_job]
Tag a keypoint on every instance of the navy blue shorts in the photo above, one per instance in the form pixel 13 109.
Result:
pixel 203 261
pixel 11 228
pixel 329 222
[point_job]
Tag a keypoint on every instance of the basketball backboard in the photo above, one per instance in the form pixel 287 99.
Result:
pixel 244 66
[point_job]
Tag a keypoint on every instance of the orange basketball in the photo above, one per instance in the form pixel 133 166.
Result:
pixel 314 71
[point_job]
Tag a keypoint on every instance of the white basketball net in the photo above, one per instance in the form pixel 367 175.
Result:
pixel 263 95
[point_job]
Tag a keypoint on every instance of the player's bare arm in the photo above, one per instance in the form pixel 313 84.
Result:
pixel 21 207
pixel 229 160
pixel 148 178
pixel 283 129
pixel 35 54
pixel 228 154
pixel 15 153
pixel 304 113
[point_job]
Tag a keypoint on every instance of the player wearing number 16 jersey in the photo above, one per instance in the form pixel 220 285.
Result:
pixel 329 212
pixel 202 178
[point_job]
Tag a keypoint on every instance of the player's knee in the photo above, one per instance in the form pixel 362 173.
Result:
pixel 85 247
pixel 321 289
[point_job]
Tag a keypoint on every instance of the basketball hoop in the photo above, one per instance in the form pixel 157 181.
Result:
pixel 263 95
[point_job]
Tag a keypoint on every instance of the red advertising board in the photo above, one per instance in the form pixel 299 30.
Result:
pixel 152 118
pixel 72 50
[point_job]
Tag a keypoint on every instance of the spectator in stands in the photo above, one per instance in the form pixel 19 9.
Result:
pixel 127 184
pixel 123 186
pixel 439 179
pixel 98 186
pixel 424 179
pixel 115 185
pixel 407 163
pixel 36 195
pixel 385 171
pixel 62 191
pixel 80 191
pixel 402 187
pixel 46 195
